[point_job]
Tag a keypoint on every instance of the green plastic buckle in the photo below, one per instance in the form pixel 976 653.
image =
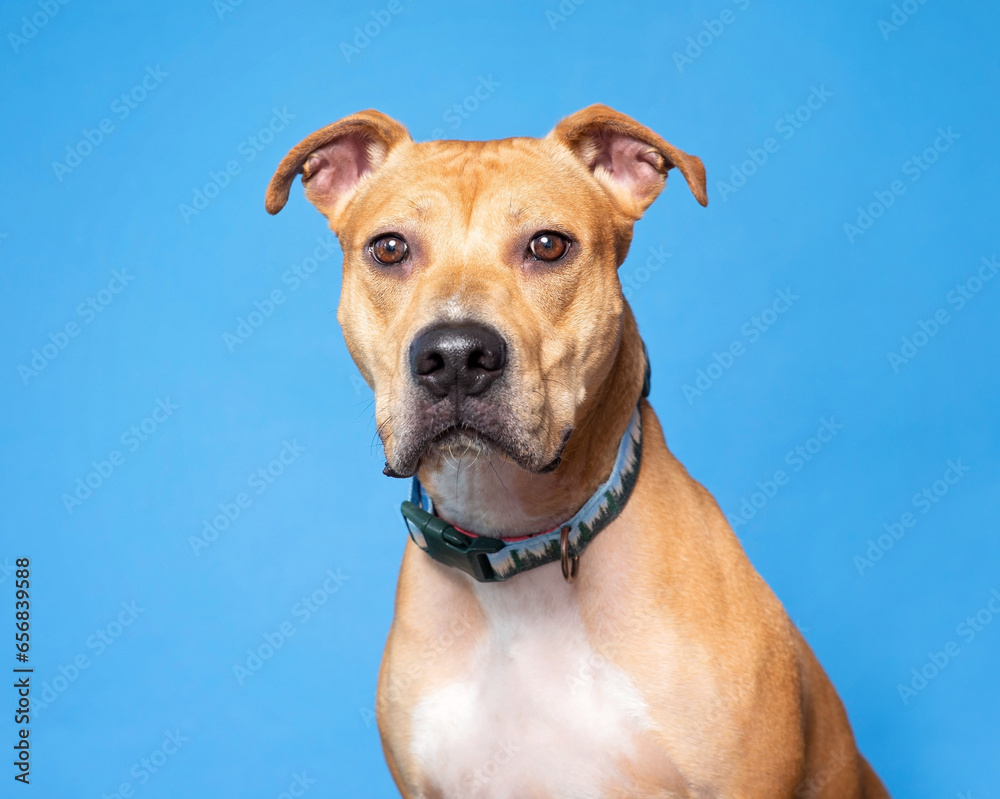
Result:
pixel 453 547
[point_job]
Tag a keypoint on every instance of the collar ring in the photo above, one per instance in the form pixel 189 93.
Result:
pixel 570 564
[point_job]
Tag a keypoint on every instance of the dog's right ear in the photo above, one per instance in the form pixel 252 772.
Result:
pixel 334 160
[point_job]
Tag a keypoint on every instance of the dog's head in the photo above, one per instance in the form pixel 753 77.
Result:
pixel 481 299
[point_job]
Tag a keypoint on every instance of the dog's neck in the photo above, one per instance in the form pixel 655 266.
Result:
pixel 492 496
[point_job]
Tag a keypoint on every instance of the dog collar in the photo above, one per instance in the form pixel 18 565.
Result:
pixel 491 560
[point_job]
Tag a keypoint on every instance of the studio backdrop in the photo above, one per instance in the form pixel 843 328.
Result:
pixel 192 493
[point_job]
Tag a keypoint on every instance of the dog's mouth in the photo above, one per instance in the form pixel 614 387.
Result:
pixel 457 440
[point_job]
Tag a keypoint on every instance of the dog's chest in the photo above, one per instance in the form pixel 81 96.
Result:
pixel 538 712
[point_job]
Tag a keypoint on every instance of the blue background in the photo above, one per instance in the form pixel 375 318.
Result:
pixel 308 707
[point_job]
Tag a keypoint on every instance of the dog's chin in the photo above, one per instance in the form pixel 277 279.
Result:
pixel 462 443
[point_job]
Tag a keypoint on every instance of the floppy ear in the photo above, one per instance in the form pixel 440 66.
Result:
pixel 628 158
pixel 334 160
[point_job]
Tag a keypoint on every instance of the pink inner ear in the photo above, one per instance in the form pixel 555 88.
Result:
pixel 333 170
pixel 633 164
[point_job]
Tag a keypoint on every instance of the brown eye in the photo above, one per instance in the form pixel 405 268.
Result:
pixel 548 246
pixel 389 250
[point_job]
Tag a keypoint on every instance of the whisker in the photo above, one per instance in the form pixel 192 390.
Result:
pixel 365 409
pixel 502 483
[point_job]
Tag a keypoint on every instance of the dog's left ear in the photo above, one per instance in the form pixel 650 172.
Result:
pixel 626 157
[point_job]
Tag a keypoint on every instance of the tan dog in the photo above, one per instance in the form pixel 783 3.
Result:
pixel 481 302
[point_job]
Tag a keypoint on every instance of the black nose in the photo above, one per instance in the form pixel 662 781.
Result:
pixel 460 358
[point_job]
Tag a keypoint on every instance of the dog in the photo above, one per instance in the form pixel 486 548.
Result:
pixel 574 616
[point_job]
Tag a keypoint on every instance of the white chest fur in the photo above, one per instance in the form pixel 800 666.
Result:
pixel 539 713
